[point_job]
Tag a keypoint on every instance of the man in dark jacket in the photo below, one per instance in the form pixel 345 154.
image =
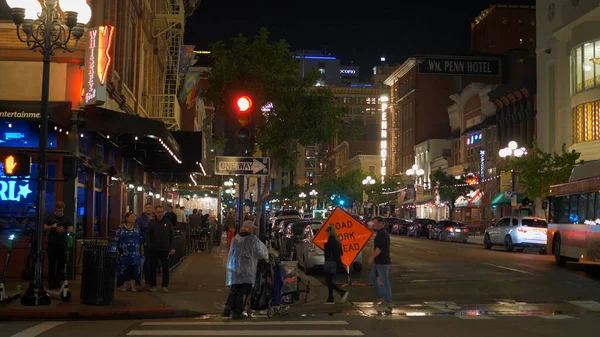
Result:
pixel 56 224
pixel 159 239
pixel 170 214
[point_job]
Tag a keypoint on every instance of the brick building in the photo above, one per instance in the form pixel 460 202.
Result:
pixel 501 28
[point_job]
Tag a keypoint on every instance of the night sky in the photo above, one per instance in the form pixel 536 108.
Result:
pixel 359 32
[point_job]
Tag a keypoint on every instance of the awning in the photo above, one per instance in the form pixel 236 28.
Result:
pixel 59 113
pixel 499 199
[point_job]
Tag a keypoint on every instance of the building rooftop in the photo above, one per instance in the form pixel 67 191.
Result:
pixel 490 9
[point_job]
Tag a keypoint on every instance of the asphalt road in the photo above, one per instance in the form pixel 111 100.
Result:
pixel 425 270
pixel 312 326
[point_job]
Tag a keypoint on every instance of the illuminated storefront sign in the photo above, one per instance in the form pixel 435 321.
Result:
pixel 98 62
pixel 20 115
pixel 384 152
pixel 460 66
pixel 13 190
pixel 348 71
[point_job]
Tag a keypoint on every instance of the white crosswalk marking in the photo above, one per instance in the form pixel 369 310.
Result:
pixel 475 317
pixel 589 305
pixel 555 317
pixel 244 328
pixel 443 306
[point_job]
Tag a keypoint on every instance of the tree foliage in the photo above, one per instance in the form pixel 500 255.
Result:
pixel 301 113
pixel 348 186
pixel 538 170
pixel 449 187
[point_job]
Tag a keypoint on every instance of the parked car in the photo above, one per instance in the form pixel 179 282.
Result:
pixel 517 232
pixel 397 226
pixel 310 257
pixel 420 227
pixel 447 230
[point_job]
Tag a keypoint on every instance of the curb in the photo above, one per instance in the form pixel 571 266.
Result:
pixel 150 313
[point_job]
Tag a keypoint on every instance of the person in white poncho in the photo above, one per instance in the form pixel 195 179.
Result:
pixel 245 252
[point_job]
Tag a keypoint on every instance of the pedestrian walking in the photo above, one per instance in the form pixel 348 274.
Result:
pixel 246 250
pixel 333 259
pixel 142 223
pixel 56 224
pixel 160 241
pixel 230 227
pixel 130 245
pixel 381 261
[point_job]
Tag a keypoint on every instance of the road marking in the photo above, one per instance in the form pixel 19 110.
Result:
pixel 507 268
pixel 443 306
pixel 245 333
pixel 391 318
pixel 247 323
pixel 37 330
pixel 590 305
pixel 432 252
pixel 555 316
pixel 475 317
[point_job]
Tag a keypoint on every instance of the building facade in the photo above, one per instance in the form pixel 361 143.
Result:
pixel 501 28
pixel 327 65
pixel 128 148
pixel 568 86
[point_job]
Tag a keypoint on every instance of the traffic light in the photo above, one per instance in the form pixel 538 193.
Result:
pixel 17 164
pixel 243 114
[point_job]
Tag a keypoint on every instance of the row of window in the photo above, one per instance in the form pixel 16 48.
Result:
pixel 402 88
pixel 586 122
pixel 357 100
pixel 585 67
pixel 575 209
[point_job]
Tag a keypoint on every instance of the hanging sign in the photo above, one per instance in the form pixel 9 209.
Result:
pixel 98 62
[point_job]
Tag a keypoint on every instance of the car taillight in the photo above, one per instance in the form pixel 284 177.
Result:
pixel 449 228
pixel 521 230
pixel 466 230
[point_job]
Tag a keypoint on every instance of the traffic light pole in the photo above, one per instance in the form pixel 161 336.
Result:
pixel 240 202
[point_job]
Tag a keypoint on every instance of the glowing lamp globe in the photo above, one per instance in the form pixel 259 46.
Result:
pixel 244 103
pixel 32 8
pixel 84 15
pixel 15 3
pixel 513 145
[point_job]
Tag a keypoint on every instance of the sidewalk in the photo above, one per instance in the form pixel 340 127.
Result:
pixel 476 240
pixel 197 287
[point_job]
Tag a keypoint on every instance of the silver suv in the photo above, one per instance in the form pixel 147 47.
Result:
pixel 517 232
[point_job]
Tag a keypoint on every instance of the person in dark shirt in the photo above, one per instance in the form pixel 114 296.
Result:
pixel 333 258
pixel 381 261
pixel 56 224
pixel 142 223
pixel 160 241
pixel 170 214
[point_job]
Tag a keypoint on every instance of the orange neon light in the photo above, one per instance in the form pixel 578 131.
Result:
pixel 105 40
pixel 10 164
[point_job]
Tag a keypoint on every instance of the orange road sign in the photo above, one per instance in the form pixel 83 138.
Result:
pixel 353 234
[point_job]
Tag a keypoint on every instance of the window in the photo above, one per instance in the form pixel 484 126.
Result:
pixel 585 63
pixel 586 122
pixel 130 37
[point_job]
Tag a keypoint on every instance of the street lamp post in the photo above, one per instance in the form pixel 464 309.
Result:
pixel 368 181
pixel 42 29
pixel 313 195
pixel 512 150
pixel 415 172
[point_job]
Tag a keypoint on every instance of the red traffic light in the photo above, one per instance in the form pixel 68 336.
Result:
pixel 244 103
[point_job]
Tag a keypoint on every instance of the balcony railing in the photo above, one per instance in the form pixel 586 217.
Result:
pixel 167 109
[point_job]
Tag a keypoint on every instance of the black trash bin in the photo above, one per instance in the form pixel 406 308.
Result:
pixel 98 273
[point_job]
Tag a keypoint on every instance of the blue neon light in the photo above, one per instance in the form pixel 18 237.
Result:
pixel 316 57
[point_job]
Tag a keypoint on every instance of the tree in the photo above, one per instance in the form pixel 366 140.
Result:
pixel 538 170
pixel 449 187
pixel 301 113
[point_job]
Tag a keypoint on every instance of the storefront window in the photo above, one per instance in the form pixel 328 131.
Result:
pixel 84 144
pixel 586 122
pixel 81 203
pixel 24 134
pixel 18 198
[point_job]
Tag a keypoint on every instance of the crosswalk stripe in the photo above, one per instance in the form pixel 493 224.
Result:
pixel 37 330
pixel 391 318
pixel 589 305
pixel 279 323
pixel 555 316
pixel 245 333
pixel 475 317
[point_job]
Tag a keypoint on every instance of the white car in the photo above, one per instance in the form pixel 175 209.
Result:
pixel 516 232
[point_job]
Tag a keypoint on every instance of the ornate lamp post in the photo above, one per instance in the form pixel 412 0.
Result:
pixel 313 195
pixel 45 28
pixel 512 150
pixel 366 182
pixel 415 172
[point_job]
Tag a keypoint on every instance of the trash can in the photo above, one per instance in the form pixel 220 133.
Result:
pixel 98 273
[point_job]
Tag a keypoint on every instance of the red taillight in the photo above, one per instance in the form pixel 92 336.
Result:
pixel 466 230
pixel 521 230
pixel 449 228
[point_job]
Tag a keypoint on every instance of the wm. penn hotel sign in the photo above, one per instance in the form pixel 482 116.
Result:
pixel 469 66
pixel 98 62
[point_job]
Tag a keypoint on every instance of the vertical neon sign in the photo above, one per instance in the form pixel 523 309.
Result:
pixel 384 105
pixel 97 64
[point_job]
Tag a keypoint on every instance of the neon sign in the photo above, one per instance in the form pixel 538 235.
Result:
pixel 347 71
pixel 97 64
pixel 8 190
pixel 384 106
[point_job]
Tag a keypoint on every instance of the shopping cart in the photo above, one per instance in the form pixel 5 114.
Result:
pixel 286 290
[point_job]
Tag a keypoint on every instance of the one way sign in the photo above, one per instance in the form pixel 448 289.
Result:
pixel 247 166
